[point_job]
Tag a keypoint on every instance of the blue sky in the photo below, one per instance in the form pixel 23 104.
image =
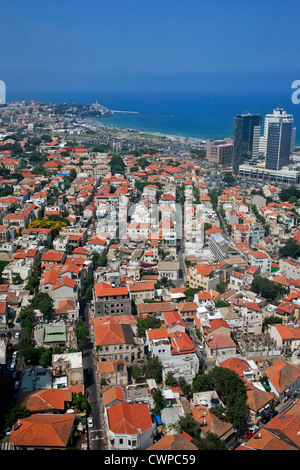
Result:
pixel 221 45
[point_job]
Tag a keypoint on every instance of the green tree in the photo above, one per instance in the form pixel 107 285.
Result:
pixel 170 380
pixel 117 165
pixel 271 321
pixel 143 324
pixel 32 284
pixel 231 390
pixel 14 413
pixel 286 193
pixel 228 178
pixel 291 249
pixel 152 369
pixel 79 401
pixel 268 289
pixel 43 302
pixel 88 295
pixel 158 400
pixel 81 333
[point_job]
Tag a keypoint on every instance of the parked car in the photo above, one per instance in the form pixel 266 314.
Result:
pixel 90 422
pixel 254 429
pixel 248 435
pixel 17 335
pixel 8 430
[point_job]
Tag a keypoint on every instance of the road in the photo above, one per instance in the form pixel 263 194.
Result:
pixel 96 435
pixel 182 265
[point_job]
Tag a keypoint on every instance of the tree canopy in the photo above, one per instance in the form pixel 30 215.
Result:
pixel 117 165
pixel 268 289
pixel 291 249
pixel 286 193
pixel 231 390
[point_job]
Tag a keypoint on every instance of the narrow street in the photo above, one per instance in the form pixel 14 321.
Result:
pixel 95 434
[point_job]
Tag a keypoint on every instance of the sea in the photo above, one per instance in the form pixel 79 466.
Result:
pixel 197 115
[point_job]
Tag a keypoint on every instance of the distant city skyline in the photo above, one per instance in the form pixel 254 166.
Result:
pixel 130 46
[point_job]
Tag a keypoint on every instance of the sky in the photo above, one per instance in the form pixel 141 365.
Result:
pixel 117 45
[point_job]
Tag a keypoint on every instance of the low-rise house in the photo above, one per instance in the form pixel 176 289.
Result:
pixel 218 327
pixel 66 308
pixel 219 345
pixel 108 300
pixel 153 308
pixel 65 288
pixel 158 342
pixel 283 378
pixel 173 321
pixel 114 372
pixel 140 291
pixel 286 337
pixel 51 401
pixel 231 316
pixel 129 427
pixel 18 220
pixel 210 424
pixel 173 442
pixel 288 310
pixel 187 310
pixel 290 267
pixel 268 440
pixel 46 431
pixel 260 259
pixel 245 369
pixel 67 371
pixel 181 343
pixel 205 276
pixel 52 257
pixel 252 316
pixel 259 402
pixel 169 270
pixel 18 267
pixel 112 396
pixel 116 341
pixel 181 365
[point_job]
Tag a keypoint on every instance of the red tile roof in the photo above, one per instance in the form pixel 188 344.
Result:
pixel 127 418
pixel 43 431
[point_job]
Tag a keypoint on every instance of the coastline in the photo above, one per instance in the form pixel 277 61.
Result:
pixel 171 137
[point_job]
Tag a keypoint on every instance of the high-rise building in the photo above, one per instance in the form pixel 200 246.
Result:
pixel 278 140
pixel 219 152
pixel 279 115
pixel 2 92
pixel 246 139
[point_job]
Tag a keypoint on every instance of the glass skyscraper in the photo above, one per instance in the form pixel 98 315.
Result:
pixel 246 139
pixel 280 135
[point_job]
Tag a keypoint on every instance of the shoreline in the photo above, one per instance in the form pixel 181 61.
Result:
pixel 180 138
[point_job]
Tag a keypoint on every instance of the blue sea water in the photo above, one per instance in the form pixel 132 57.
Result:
pixel 197 115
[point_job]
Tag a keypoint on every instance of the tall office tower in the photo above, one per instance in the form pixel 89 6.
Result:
pixel 2 92
pixel 279 115
pixel 246 138
pixel 280 139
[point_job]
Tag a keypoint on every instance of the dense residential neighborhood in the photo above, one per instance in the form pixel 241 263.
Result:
pixel 149 298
